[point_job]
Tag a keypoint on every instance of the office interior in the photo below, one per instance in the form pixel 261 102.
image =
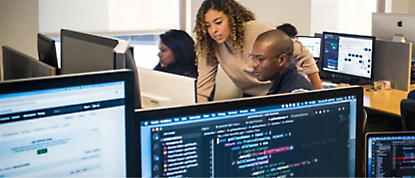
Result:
pixel 22 20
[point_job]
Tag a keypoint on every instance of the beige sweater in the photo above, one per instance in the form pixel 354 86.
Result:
pixel 239 68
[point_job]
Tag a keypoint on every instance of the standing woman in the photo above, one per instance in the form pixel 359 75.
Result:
pixel 177 54
pixel 225 33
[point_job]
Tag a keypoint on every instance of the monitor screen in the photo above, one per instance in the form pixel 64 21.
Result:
pixel 47 50
pixel 312 134
pixel 66 125
pixel 17 65
pixel 348 54
pixel 81 52
pixel 312 44
pixel 390 154
pixel 386 26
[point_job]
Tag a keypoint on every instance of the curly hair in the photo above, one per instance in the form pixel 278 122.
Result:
pixel 237 16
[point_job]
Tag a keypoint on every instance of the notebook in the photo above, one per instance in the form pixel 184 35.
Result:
pixel 390 154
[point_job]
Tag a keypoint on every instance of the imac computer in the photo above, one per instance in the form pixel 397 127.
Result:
pixel 17 65
pixel 312 43
pixel 347 58
pixel 162 89
pixel 67 126
pixel 82 52
pixel 47 51
pixel 394 27
pixel 310 134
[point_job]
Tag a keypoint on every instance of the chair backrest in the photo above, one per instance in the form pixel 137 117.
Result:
pixel 411 95
pixel 408 113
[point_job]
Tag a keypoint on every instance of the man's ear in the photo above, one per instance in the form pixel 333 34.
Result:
pixel 283 59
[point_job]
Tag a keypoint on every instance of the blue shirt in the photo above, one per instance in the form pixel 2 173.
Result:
pixel 289 81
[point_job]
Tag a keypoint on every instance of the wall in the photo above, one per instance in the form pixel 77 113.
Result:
pixel 76 15
pixel 323 16
pixel 19 25
pixel 277 12
pixel 108 15
pixel 351 16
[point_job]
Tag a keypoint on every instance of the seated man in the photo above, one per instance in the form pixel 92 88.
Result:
pixel 272 60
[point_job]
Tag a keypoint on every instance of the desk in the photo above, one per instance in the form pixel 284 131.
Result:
pixel 388 101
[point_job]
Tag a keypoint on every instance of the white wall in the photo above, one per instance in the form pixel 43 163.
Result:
pixel 19 25
pixel 108 15
pixel 80 15
pixel 351 16
pixel 277 12
pixel 323 16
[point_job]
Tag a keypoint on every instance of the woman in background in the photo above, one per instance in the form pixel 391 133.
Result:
pixel 177 54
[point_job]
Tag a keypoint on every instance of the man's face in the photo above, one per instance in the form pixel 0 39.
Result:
pixel 267 65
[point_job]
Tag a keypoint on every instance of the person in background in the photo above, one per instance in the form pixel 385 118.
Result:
pixel 272 55
pixel 177 54
pixel 289 29
pixel 302 57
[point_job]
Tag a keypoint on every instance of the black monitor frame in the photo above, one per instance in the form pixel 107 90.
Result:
pixel 47 51
pixel 339 77
pixel 62 81
pixel 212 107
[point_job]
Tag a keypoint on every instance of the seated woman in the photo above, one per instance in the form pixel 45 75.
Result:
pixel 177 54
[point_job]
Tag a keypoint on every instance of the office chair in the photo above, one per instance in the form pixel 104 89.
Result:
pixel 408 112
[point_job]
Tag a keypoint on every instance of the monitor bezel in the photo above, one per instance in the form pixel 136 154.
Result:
pixel 373 38
pixel 63 81
pixel 218 106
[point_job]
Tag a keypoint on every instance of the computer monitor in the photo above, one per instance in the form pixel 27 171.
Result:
pixel 82 52
pixel 162 89
pixel 17 65
pixel 72 125
pixel 347 58
pixel 47 51
pixel 394 27
pixel 310 134
pixel 390 154
pixel 312 43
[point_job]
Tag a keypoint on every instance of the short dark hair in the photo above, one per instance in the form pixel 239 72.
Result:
pixel 183 49
pixel 289 29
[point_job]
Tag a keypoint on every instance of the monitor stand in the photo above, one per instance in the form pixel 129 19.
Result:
pixel 348 80
pixel 399 38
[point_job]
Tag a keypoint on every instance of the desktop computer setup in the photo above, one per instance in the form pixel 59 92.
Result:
pixel 347 58
pixel 84 125
pixel 309 134
pixel 395 27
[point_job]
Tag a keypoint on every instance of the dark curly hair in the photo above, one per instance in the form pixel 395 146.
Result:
pixel 237 16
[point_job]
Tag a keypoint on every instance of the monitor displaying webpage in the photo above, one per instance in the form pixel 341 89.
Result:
pixel 348 55
pixel 312 44
pixel 77 131
pixel 311 138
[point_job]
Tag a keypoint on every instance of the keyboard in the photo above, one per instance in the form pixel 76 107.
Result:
pixel 328 85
